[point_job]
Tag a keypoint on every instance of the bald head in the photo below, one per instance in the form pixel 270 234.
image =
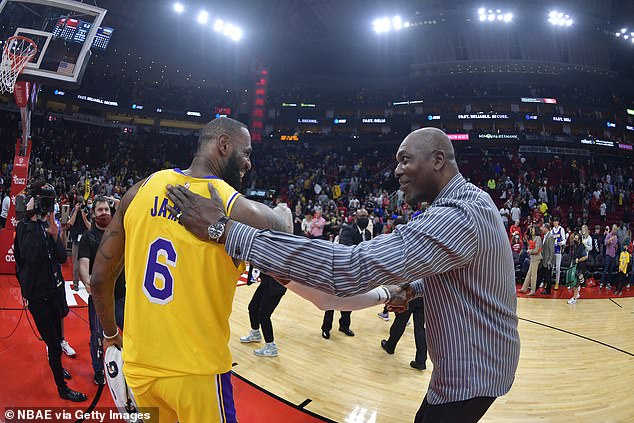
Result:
pixel 428 140
pixel 426 163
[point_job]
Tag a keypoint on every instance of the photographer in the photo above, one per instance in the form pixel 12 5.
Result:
pixel 79 222
pixel 87 252
pixel 38 253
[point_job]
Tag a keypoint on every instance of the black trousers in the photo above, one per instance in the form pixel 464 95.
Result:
pixel 544 275
pixel 96 330
pixel 468 411
pixel 344 320
pixel 265 299
pixel 48 320
pixel 398 327
pixel 620 281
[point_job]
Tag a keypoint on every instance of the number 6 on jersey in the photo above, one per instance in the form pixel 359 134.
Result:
pixel 156 271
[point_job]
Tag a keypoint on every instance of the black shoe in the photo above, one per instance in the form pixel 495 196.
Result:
pixel 416 365
pixel 99 378
pixel 347 332
pixel 384 346
pixel 67 375
pixel 325 334
pixel 70 395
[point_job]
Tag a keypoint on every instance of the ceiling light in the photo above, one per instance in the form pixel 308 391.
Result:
pixel 179 8
pixel 203 17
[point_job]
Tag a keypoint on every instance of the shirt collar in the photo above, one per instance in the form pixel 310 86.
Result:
pixel 455 182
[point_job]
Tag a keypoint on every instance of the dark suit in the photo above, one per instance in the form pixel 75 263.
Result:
pixel 349 235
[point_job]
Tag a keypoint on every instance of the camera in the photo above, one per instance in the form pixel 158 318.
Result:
pixel 38 199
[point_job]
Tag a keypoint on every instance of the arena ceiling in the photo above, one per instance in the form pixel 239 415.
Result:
pixel 321 37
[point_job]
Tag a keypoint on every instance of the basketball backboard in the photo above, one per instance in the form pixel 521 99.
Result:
pixel 64 32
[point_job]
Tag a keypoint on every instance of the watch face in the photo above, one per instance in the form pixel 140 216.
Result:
pixel 216 230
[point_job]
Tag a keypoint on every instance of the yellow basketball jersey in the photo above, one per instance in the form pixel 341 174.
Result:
pixel 179 289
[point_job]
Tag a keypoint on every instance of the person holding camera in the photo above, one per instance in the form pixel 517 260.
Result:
pixel 87 252
pixel 38 253
pixel 77 228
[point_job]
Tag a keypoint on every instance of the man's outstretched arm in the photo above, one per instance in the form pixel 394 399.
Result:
pixel 437 242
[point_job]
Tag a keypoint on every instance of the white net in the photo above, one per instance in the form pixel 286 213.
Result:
pixel 17 52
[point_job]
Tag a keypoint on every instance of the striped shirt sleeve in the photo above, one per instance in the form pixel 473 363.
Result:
pixel 436 242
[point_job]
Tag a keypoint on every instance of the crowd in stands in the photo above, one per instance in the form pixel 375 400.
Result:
pixel 208 95
pixel 334 181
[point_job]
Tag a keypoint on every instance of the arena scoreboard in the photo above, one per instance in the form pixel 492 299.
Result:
pixel 75 30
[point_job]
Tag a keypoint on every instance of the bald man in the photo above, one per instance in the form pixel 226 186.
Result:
pixel 456 251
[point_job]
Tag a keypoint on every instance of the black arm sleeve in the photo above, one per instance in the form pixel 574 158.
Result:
pixel 83 250
pixel 57 249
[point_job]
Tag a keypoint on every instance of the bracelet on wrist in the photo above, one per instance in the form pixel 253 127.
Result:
pixel 110 337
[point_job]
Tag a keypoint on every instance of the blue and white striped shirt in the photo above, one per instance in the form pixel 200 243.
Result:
pixel 459 254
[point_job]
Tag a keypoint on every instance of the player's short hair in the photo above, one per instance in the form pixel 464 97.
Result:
pixel 219 126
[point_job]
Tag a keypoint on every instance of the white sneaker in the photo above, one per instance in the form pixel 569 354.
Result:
pixel 573 300
pixel 269 350
pixel 384 316
pixel 253 336
pixel 67 349
pixel 541 285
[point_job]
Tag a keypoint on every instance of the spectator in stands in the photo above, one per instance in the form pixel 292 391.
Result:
pixel 491 184
pixel 611 246
pixel 543 195
pixel 316 226
pixel 559 236
pixel 306 223
pixel 6 203
pixel 504 212
pixel 586 239
pixel 598 243
pixel 621 277
pixel 620 234
pixel 548 258
pixel 516 213
pixel 579 257
pixel 535 253
pixel 516 245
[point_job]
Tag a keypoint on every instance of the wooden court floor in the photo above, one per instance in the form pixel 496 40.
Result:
pixel 576 363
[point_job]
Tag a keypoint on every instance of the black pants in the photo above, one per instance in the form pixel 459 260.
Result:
pixel 544 275
pixel 265 299
pixel 398 327
pixel 620 281
pixel 96 330
pixel 344 320
pixel 48 320
pixel 468 411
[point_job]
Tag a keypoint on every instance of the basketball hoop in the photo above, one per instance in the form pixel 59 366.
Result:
pixel 17 52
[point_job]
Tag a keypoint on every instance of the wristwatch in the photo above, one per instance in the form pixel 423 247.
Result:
pixel 215 230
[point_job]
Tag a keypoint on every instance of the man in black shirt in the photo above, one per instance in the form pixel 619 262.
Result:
pixel 353 234
pixel 38 252
pixel 87 251
pixel 579 257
